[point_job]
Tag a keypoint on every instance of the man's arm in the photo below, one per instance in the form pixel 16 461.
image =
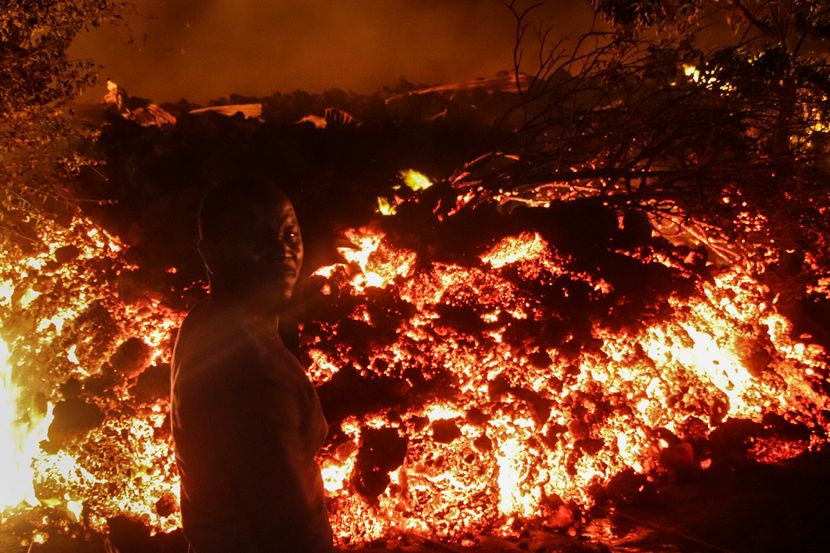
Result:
pixel 257 439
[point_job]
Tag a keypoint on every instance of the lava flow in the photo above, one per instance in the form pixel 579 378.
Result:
pixel 474 384
pixel 506 411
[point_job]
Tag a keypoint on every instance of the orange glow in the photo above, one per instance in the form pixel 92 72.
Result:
pixel 509 429
pixel 501 468
pixel 61 318
pixel 21 430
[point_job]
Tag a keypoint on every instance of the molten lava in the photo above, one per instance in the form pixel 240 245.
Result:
pixel 516 428
pixel 485 391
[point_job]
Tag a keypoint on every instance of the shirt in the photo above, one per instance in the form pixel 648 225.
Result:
pixel 246 424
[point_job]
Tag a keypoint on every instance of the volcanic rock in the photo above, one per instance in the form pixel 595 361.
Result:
pixel 590 446
pixel 71 388
pixel 539 406
pixel 66 253
pixel 483 443
pixel 731 440
pixel 777 425
pixel 382 450
pixel 445 431
pixel 101 384
pixel 497 387
pixel 679 457
pixel 128 535
pixel 166 505
pixel 476 416
pixel 540 359
pixel 693 430
pixel 152 384
pixel 636 229
pixel 131 357
pixel 73 418
pixel 756 358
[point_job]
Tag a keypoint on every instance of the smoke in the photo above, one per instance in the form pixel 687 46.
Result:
pixel 201 49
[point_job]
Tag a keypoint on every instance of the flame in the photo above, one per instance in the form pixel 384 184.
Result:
pixel 20 435
pixel 124 454
pixel 386 207
pixel 372 261
pixel 512 459
pixel 415 180
pixel 525 247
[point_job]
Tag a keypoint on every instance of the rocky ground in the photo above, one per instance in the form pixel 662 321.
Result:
pixel 743 508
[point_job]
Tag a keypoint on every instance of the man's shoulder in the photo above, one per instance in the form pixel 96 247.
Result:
pixel 206 320
pixel 211 335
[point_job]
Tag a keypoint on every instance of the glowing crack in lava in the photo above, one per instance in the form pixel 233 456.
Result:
pixel 471 394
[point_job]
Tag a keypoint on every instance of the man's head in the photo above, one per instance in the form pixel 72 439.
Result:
pixel 250 242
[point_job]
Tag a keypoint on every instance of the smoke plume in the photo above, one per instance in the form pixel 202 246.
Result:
pixel 203 49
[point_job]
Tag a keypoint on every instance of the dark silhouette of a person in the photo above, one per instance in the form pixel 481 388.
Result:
pixel 246 421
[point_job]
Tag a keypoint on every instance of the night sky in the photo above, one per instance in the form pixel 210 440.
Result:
pixel 204 49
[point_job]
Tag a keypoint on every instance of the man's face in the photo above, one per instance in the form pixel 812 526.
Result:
pixel 261 258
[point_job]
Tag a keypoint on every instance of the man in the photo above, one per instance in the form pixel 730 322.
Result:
pixel 246 420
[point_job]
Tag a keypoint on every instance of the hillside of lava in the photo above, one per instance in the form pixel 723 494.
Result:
pixel 486 366
pixel 492 365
